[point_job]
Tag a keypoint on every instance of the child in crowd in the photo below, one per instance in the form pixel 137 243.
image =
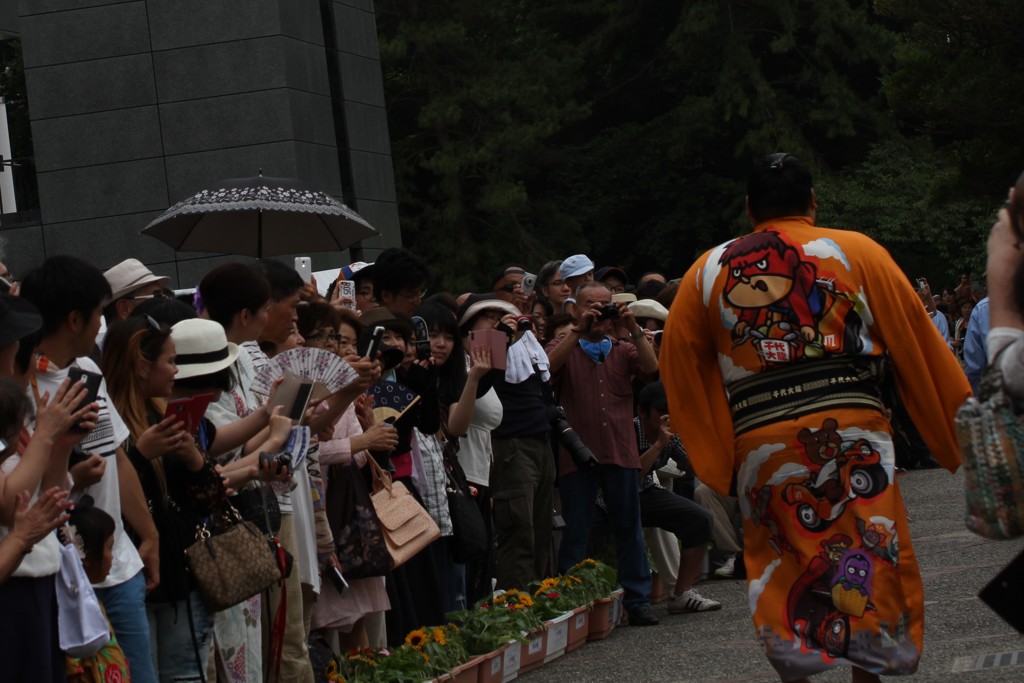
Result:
pixel 94 534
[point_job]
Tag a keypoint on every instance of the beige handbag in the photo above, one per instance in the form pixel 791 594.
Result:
pixel 408 528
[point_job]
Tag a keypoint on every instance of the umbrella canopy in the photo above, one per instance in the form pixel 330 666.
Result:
pixel 259 217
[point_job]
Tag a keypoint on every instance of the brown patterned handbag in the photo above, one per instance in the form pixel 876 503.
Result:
pixel 233 565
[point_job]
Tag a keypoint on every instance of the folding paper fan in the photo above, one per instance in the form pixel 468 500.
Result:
pixel 316 365
pixel 389 399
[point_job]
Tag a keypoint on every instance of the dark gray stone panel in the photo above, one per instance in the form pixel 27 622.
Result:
pixel 367 128
pixel 8 19
pixel 238 66
pixel 98 85
pixel 355 31
pixel 383 216
pixel 95 191
pixel 24 249
pixel 185 23
pixel 372 176
pixel 305 67
pixel 229 121
pixel 190 173
pixel 101 138
pixel 29 7
pixel 107 241
pixel 80 35
pixel 365 5
pixel 301 19
pixel 318 166
pixel 312 118
pixel 361 79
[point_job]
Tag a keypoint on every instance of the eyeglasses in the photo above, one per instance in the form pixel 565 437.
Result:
pixel 324 337
pixel 413 296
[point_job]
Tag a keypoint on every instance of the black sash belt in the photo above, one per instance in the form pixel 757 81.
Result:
pixel 810 387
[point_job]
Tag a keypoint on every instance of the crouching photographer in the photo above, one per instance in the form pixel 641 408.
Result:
pixel 522 472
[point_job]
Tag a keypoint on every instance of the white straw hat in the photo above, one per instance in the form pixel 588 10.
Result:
pixel 202 348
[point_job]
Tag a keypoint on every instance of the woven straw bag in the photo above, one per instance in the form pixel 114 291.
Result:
pixel 991 436
pixel 408 527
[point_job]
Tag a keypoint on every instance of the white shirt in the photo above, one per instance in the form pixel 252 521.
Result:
pixel 44 560
pixel 109 434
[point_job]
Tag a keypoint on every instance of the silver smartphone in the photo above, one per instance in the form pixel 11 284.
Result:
pixel 304 267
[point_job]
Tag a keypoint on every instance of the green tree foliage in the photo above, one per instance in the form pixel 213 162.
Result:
pixel 618 128
pixel 527 131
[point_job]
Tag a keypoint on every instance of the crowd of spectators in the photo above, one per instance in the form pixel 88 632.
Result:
pixel 580 348
pixel 562 434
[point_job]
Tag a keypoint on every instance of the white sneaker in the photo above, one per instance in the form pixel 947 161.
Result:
pixel 692 601
pixel 726 569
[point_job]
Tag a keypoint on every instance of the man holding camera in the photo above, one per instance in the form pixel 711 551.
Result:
pixel 593 371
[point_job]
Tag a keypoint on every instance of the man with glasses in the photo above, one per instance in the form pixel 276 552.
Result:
pixel 131 283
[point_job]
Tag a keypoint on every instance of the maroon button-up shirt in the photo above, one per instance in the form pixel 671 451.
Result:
pixel 598 401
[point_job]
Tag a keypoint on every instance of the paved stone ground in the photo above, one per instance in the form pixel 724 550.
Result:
pixel 720 646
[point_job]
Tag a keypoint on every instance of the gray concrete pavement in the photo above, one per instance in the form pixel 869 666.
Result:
pixel 720 646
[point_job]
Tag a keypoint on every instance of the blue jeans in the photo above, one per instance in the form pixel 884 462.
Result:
pixel 126 608
pixel 171 640
pixel 578 491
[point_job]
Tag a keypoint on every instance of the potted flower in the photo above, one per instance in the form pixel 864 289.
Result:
pixel 445 652
pixel 598 582
pixel 492 624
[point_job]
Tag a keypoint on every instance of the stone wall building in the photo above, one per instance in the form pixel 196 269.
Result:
pixel 137 104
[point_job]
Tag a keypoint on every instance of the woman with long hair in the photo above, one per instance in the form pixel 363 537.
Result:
pixel 139 366
pixel 457 395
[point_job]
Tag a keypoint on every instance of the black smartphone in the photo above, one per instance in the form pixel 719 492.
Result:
pixel 371 348
pixel 334 574
pixel 92 384
pixel 422 334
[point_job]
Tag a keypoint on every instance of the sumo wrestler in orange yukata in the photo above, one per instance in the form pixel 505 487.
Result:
pixel 783 305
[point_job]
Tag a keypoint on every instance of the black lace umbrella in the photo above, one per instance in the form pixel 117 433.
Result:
pixel 259 217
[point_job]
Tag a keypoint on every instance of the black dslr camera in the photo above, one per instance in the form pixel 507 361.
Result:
pixel 567 436
pixel 607 312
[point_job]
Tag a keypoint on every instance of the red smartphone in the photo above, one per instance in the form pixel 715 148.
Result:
pixel 189 411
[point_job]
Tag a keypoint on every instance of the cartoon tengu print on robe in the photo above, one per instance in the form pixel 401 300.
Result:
pixel 783 305
pixel 841 471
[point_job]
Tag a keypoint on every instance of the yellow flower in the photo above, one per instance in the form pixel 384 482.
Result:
pixel 439 636
pixel 547 585
pixel 525 600
pixel 574 579
pixel 518 606
pixel 417 639
pixel 588 563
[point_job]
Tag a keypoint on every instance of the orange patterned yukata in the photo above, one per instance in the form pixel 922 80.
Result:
pixel 832 578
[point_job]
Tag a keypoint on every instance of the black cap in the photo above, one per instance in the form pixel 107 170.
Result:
pixel 18 319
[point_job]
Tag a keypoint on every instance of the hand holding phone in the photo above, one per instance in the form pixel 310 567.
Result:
pixel 374 345
pixel 304 267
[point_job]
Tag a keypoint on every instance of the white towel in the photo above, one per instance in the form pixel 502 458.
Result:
pixel 523 356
